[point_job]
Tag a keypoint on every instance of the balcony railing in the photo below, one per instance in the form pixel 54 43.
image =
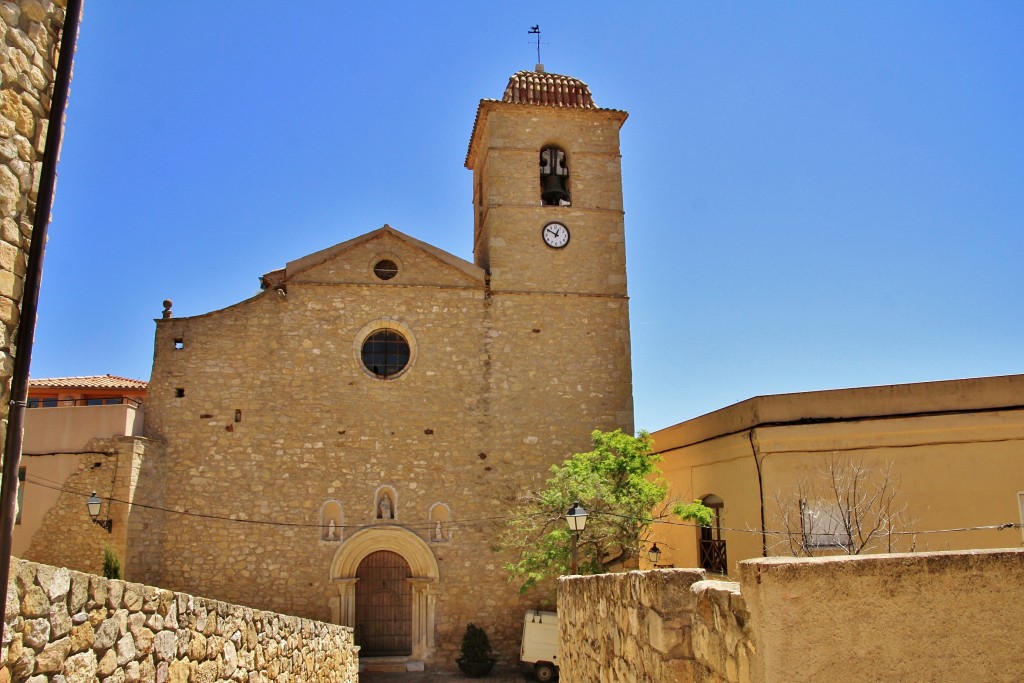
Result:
pixel 712 556
pixel 68 402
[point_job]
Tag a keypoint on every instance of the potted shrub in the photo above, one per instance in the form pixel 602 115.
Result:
pixel 476 660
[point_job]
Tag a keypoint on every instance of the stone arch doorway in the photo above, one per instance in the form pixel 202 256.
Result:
pixel 420 574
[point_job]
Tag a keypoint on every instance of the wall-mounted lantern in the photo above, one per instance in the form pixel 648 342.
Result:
pixel 94 504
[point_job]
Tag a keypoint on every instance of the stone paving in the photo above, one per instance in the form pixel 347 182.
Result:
pixel 497 676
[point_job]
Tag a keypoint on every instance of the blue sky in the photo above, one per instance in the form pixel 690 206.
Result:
pixel 818 195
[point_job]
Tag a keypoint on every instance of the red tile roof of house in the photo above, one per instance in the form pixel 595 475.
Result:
pixel 87 382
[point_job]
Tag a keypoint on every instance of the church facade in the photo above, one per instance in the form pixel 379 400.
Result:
pixel 342 445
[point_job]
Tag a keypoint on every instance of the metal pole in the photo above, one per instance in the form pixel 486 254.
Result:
pixel 30 297
pixel 575 557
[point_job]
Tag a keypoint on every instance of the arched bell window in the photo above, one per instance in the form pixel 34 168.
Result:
pixel 554 177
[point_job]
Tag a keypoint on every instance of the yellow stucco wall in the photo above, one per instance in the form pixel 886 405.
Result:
pixel 956 452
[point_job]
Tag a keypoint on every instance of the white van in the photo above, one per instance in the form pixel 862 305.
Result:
pixel 540 644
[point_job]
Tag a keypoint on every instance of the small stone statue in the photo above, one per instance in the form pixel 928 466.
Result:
pixel 330 531
pixel 437 532
pixel 384 510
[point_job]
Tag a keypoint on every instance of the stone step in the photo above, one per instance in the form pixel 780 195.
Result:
pixel 389 665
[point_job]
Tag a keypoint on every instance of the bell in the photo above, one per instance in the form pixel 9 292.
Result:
pixel 554 190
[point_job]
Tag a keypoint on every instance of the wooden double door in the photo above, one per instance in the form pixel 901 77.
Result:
pixel 383 625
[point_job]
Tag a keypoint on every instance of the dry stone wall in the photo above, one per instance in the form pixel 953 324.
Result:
pixel 71 627
pixel 624 628
pixel 722 648
pixel 29 30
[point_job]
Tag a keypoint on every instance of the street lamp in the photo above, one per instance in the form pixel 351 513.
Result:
pixel 577 520
pixel 94 511
pixel 654 554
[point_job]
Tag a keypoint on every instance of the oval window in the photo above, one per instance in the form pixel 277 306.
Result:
pixel 385 353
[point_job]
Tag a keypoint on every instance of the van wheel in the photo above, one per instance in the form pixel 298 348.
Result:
pixel 544 672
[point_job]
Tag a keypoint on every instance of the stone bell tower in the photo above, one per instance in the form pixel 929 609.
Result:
pixel 549 232
pixel 547 188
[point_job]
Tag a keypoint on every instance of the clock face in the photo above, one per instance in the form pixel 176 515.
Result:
pixel 555 235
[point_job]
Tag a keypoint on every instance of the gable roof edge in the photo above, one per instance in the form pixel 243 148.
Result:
pixel 294 268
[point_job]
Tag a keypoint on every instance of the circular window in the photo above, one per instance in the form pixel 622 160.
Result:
pixel 385 353
pixel 385 269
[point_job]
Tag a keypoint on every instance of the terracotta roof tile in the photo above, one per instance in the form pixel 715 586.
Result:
pixel 550 90
pixel 539 88
pixel 87 382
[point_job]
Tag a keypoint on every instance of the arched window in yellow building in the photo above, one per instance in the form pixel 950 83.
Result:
pixel 712 546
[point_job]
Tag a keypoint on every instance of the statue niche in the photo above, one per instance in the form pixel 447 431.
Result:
pixel 385 504
pixel 440 523
pixel 330 521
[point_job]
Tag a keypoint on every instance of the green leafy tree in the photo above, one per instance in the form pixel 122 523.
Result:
pixel 619 484
pixel 696 511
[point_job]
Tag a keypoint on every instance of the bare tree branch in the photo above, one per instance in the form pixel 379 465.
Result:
pixel 848 508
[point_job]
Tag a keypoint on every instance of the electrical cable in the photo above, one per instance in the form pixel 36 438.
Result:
pixel 482 521
pixel 31 479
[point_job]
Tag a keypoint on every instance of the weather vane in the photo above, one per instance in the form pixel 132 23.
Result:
pixel 536 30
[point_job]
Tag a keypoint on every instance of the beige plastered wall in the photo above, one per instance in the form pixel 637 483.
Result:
pixel 947 616
pixel 952 616
pixel 68 429
pixel 49 475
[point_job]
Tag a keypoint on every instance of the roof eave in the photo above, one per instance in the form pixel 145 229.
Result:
pixel 490 105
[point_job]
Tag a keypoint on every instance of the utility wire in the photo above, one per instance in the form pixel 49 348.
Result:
pixel 268 522
pixel 694 525
pixel 481 521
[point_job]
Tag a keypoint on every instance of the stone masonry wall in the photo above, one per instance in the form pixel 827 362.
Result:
pixel 71 627
pixel 624 628
pixel 29 30
pixel 722 648
pixel 276 422
pixel 916 616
